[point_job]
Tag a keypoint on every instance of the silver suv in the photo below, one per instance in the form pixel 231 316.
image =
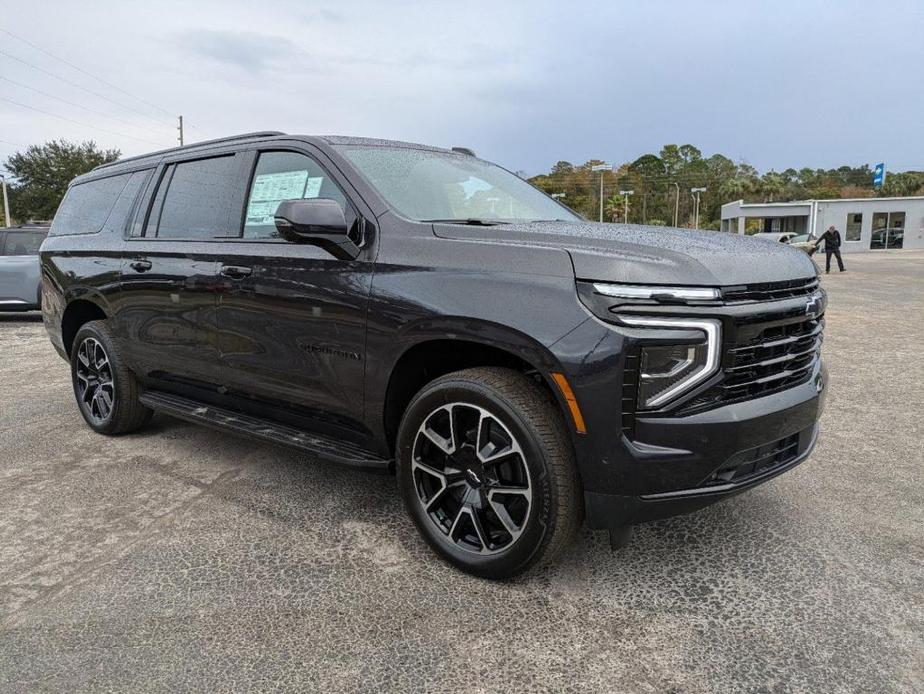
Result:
pixel 20 276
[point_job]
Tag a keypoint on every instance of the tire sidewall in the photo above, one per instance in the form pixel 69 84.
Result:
pixel 540 523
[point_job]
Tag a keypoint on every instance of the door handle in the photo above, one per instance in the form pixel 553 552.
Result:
pixel 140 265
pixel 236 272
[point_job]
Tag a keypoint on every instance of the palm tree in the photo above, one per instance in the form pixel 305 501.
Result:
pixel 735 188
pixel 772 185
pixel 614 207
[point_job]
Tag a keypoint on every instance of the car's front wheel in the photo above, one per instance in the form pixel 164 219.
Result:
pixel 487 472
pixel 106 390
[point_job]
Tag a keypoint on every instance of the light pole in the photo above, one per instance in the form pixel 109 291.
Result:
pixel 601 168
pixel 676 202
pixel 696 192
pixel 625 196
pixel 6 201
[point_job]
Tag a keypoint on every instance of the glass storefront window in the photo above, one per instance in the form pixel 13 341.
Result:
pixel 854 224
pixel 888 230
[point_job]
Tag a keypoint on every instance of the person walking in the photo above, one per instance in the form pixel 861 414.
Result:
pixel 832 239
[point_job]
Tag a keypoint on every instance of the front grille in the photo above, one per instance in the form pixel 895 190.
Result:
pixel 764 358
pixel 755 462
pixel 769 291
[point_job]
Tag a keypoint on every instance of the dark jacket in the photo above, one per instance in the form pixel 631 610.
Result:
pixel 832 239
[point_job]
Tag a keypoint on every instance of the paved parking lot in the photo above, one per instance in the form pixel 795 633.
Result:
pixel 185 558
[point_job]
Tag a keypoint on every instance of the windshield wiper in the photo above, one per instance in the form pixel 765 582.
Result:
pixel 471 221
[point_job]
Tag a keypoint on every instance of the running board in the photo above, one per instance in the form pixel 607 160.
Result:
pixel 326 447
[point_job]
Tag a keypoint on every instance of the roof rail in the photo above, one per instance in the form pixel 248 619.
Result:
pixel 230 138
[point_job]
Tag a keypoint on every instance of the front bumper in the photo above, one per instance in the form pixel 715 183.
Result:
pixel 693 461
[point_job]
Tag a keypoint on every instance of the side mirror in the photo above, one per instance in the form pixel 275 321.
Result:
pixel 318 221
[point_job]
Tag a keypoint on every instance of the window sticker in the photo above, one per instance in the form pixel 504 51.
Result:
pixel 271 189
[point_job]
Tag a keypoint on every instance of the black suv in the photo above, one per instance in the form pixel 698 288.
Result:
pixel 420 310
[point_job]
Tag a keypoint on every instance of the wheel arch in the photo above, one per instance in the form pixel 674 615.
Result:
pixel 77 313
pixel 432 356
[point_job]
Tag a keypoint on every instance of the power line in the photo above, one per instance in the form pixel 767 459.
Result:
pixel 86 72
pixel 77 122
pixel 78 86
pixel 85 108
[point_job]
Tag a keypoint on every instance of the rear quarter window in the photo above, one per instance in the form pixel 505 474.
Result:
pixel 21 243
pixel 105 202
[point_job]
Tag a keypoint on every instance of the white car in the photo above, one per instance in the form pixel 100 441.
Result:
pixel 805 242
pixel 781 237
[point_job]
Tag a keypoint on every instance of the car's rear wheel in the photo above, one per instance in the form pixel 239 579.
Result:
pixel 487 472
pixel 106 390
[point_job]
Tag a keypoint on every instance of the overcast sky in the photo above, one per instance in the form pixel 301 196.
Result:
pixel 525 83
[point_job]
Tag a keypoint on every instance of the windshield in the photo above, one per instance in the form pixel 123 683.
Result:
pixel 428 185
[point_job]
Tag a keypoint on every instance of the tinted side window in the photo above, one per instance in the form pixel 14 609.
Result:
pixel 283 176
pixel 86 206
pixel 200 199
pixel 23 243
pixel 118 217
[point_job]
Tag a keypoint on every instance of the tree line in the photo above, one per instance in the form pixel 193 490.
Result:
pixel 661 186
pixel 40 174
pixel 661 183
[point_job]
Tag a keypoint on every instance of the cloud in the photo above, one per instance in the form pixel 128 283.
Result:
pixel 523 82
pixel 250 51
pixel 324 15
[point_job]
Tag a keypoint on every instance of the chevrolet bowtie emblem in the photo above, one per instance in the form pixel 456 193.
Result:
pixel 814 307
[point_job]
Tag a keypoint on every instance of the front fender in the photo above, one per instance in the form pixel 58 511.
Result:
pixel 467 332
pixel 479 331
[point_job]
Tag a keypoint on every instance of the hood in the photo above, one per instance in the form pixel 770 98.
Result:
pixel 640 254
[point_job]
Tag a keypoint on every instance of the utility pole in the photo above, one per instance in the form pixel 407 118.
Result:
pixel 625 196
pixel 180 128
pixel 676 202
pixel 601 168
pixel 6 202
pixel 696 192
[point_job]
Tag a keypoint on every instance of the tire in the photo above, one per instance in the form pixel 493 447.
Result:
pixel 487 472
pixel 97 367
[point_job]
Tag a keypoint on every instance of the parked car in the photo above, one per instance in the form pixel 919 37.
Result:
pixel 804 242
pixel 422 311
pixel 20 285
pixel 779 237
pixel 893 237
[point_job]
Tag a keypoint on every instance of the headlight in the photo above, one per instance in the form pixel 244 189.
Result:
pixel 667 371
pixel 657 292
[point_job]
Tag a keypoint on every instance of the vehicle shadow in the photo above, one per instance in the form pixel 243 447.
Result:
pixel 293 486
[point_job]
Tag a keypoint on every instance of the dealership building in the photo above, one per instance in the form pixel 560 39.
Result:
pixel 865 223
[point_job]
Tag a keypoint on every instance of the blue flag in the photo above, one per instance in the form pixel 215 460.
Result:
pixel 879 175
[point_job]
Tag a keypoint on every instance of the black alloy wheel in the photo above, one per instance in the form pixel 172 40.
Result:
pixel 94 382
pixel 106 390
pixel 471 478
pixel 487 471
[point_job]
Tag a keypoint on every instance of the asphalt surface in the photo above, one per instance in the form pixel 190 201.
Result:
pixel 184 558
